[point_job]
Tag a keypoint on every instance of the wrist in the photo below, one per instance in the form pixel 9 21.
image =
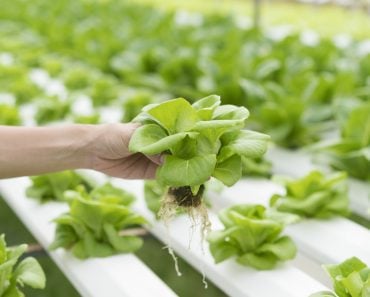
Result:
pixel 84 146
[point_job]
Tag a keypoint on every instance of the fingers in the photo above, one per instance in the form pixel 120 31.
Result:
pixel 157 159
pixel 130 128
pixel 151 170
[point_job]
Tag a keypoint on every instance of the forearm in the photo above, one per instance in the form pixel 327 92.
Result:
pixel 31 151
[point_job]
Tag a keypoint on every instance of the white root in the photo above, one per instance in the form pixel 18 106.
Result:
pixel 198 216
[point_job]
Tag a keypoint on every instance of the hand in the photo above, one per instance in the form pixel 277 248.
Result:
pixel 111 156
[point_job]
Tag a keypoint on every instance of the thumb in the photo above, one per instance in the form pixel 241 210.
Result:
pixel 157 159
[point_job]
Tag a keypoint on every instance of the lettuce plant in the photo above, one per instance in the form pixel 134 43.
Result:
pixel 94 225
pixel 199 141
pixel 350 278
pixel 351 152
pixel 12 275
pixel 49 187
pixel 252 236
pixel 314 195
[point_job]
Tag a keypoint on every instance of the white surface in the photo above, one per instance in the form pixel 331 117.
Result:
pixel 298 163
pixel 232 278
pixel 116 276
pixel 325 241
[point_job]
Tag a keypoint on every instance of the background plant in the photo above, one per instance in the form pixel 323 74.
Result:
pixel 351 278
pixel 51 187
pixel 314 195
pixel 94 224
pixel 15 274
pixel 252 237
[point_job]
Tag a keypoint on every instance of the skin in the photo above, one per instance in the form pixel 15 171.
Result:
pixel 26 151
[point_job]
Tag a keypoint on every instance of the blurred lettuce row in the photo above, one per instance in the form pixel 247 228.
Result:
pixel 291 95
pixel 351 278
pixel 314 196
pixel 251 235
pixel 16 273
pixel 61 82
pixel 98 224
pixel 351 152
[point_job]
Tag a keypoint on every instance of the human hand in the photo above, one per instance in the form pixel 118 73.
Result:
pixel 111 156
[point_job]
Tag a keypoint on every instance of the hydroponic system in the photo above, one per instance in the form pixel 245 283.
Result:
pixel 264 133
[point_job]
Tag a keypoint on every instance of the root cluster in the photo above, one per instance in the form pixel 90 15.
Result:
pixel 182 199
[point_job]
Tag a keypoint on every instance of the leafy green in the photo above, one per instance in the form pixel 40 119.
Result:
pixel 87 119
pixel 252 236
pixel 9 115
pixel 314 196
pixel 133 105
pixel 284 120
pixel 51 109
pixel 256 167
pixel 351 153
pixel 199 140
pixel 153 194
pixel 49 187
pixel 77 77
pixel 351 278
pixel 12 275
pixel 104 90
pixel 92 226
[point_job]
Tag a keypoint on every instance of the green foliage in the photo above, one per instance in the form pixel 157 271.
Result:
pixel 291 96
pixel 351 278
pixel 351 152
pixel 200 140
pixel 92 226
pixel 12 275
pixel 314 196
pixel 104 90
pixel 77 77
pixel 132 105
pixel 51 109
pixel 51 187
pixel 87 119
pixel 284 121
pixel 9 115
pixel 153 194
pixel 23 89
pixel 256 167
pixel 252 236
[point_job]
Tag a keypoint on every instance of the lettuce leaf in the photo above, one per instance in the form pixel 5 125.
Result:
pixel 351 152
pixel 92 226
pixel 252 237
pixel 199 140
pixel 351 278
pixel 50 187
pixel 314 196
pixel 12 275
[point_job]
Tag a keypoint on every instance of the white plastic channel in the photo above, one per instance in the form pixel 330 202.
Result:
pixel 116 276
pixel 325 241
pixel 233 279
pixel 298 163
